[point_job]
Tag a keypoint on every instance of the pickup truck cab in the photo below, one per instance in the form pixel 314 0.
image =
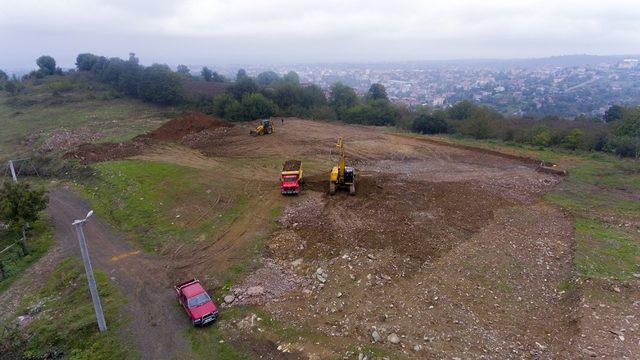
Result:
pixel 196 302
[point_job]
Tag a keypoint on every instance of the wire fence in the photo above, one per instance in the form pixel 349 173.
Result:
pixel 9 257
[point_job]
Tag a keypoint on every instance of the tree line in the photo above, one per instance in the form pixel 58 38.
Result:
pixel 618 131
pixel 270 94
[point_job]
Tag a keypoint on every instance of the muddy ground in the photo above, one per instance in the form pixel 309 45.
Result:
pixel 444 252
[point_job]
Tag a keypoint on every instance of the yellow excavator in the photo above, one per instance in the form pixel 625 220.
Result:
pixel 342 176
pixel 265 127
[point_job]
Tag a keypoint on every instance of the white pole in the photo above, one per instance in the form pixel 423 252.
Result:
pixel 13 171
pixel 95 297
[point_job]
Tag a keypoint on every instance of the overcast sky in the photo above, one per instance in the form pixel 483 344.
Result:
pixel 298 31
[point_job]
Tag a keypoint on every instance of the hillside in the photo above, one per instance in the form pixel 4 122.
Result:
pixel 443 252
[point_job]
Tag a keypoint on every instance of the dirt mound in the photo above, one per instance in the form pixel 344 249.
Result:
pixel 90 153
pixel 189 123
pixel 187 129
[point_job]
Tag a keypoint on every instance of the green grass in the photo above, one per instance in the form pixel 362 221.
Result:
pixel 154 201
pixel 209 342
pixel 43 108
pixel 605 251
pixel 38 242
pixel 64 319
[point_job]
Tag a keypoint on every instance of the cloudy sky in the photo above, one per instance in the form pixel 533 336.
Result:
pixel 299 31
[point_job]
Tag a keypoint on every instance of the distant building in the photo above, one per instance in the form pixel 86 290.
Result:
pixel 439 101
pixel 628 63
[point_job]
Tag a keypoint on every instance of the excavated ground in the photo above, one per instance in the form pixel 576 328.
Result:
pixel 443 252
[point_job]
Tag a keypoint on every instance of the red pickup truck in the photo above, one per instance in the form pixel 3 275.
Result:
pixel 196 302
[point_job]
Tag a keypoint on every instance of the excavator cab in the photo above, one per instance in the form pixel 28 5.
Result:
pixel 265 127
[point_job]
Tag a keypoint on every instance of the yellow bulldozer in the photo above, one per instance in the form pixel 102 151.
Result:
pixel 342 176
pixel 265 127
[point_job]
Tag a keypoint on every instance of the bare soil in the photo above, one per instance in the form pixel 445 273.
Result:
pixel 448 248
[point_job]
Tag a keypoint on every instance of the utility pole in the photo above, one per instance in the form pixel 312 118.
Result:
pixel 95 297
pixel 13 171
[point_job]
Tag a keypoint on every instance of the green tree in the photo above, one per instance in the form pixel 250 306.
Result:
pixel 462 110
pixel 291 78
pixel 312 96
pixel 183 69
pixel 613 113
pixel 574 139
pixel 257 106
pixel 429 124
pixel 377 91
pixel 267 78
pixel 224 105
pixel 206 73
pixel 241 75
pixel 20 204
pixel 159 84
pixel 629 124
pixel 541 136
pixel 244 86
pixel 3 76
pixel 342 97
pixel 86 61
pixel 375 112
pixel 215 77
pixel 46 65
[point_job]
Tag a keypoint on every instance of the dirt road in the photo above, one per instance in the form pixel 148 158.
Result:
pixel 156 323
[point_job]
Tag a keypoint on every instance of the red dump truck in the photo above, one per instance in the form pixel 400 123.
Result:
pixel 291 177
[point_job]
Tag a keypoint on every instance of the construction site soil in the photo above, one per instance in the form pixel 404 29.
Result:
pixel 444 252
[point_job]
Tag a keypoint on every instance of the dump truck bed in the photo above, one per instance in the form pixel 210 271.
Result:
pixel 292 165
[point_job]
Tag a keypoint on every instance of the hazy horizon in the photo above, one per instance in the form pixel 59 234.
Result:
pixel 301 32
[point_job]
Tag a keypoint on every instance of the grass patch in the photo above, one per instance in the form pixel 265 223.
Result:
pixel 155 202
pixel 39 241
pixel 604 251
pixel 70 102
pixel 209 342
pixel 64 320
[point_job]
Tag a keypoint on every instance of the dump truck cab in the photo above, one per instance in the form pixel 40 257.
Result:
pixel 291 177
pixel 196 302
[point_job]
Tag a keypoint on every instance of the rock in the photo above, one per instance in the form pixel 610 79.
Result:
pixel 229 299
pixel 589 353
pixel 255 291
pixel 376 336
pixel 321 278
pixel 339 294
pixel 371 257
pixel 417 348
pixel 296 262
pixel 362 356
pixel 393 338
pixel 540 346
pixel 636 275
pixel 616 289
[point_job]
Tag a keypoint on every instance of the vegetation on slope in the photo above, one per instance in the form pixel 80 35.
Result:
pixel 60 320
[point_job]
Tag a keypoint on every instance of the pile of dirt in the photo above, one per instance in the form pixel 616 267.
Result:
pixel 64 139
pixel 190 123
pixel 189 128
pixel 90 153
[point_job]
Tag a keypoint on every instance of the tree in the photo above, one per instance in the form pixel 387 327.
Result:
pixel 291 78
pixel 629 124
pixel 159 84
pixel 574 139
pixel 215 77
pixel 377 91
pixel 312 96
pixel 375 112
pixel 461 110
pixel 183 69
pixel 342 97
pixel 241 75
pixel 46 65
pixel 19 204
pixel 3 76
pixel 244 86
pixel 224 105
pixel 206 73
pixel 613 113
pixel 86 61
pixel 429 124
pixel 541 136
pixel 267 78
pixel 257 106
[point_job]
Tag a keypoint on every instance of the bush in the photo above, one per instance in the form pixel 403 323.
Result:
pixel 376 112
pixel 160 85
pixel 257 106
pixel 429 124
